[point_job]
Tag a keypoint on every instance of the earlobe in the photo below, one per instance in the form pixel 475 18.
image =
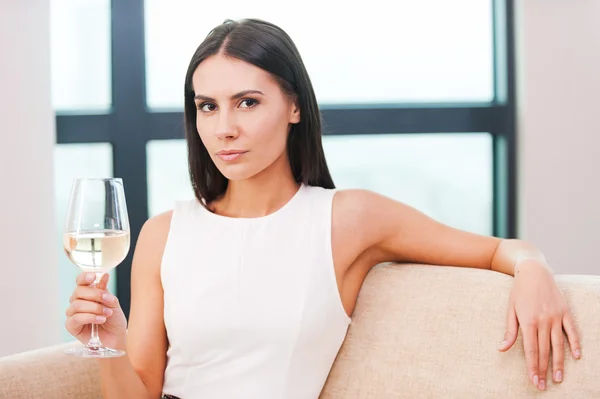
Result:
pixel 295 115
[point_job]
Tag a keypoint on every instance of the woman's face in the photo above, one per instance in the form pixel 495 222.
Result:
pixel 243 116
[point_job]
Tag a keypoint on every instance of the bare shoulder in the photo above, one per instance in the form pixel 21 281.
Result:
pixel 157 227
pixel 355 200
pixel 347 208
pixel 153 236
pixel 357 208
pixel 353 231
pixel 151 245
pixel 360 213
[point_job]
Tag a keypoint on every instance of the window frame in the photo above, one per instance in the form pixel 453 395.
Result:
pixel 129 124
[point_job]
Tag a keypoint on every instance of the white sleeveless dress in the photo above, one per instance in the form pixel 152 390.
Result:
pixel 251 305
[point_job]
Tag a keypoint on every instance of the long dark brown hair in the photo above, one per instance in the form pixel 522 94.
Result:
pixel 268 47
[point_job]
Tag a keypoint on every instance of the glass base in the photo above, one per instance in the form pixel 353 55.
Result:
pixel 97 352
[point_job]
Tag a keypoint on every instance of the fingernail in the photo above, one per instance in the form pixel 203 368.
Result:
pixel 559 376
pixel 502 344
pixel 107 311
pixel 107 298
pixel 100 319
pixel 90 278
pixel 577 353
pixel 536 380
pixel 542 385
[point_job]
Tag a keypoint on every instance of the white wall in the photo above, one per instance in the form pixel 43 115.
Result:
pixel 559 129
pixel 28 254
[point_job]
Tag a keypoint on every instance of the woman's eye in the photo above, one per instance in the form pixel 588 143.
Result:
pixel 248 103
pixel 207 107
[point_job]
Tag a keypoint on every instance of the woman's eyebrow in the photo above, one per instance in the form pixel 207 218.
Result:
pixel 234 97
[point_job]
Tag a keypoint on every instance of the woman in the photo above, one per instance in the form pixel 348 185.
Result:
pixel 247 291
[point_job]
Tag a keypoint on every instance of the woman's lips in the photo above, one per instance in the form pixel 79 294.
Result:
pixel 230 155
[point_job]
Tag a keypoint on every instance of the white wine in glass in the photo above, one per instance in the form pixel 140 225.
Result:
pixel 96 239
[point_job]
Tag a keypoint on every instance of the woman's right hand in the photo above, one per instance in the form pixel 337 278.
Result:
pixel 95 305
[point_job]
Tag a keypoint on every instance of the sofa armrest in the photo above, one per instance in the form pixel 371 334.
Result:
pixel 50 374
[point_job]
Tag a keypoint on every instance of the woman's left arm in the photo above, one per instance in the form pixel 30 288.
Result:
pixel 392 231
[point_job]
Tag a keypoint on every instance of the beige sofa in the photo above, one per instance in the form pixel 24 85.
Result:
pixel 417 332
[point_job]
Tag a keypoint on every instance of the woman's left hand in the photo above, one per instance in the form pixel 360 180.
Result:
pixel 538 305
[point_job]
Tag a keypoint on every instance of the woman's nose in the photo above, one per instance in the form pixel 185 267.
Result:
pixel 226 129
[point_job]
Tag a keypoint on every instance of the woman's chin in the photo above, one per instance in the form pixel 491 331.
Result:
pixel 236 173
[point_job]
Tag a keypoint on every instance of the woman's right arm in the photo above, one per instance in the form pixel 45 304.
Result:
pixel 140 373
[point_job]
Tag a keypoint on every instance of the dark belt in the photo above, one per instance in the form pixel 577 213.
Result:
pixel 169 397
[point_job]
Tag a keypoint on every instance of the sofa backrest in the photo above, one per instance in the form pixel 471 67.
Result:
pixel 417 332
pixel 423 331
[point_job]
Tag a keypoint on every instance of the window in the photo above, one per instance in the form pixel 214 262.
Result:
pixel 428 86
pixel 168 179
pixel 406 51
pixel 80 55
pixel 447 176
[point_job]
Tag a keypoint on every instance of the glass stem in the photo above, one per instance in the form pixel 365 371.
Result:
pixel 94 342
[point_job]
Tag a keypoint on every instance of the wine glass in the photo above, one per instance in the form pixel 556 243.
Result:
pixel 96 239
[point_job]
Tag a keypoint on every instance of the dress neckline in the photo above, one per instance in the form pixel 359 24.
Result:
pixel 271 215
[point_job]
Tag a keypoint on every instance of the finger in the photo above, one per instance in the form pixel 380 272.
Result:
pixel 530 344
pixel 81 319
pixel 80 306
pixel 85 278
pixel 103 283
pixel 96 295
pixel 558 352
pixel 544 355
pixel 572 336
pixel 73 329
pixel 512 330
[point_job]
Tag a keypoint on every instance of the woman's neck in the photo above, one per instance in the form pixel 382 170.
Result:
pixel 258 196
